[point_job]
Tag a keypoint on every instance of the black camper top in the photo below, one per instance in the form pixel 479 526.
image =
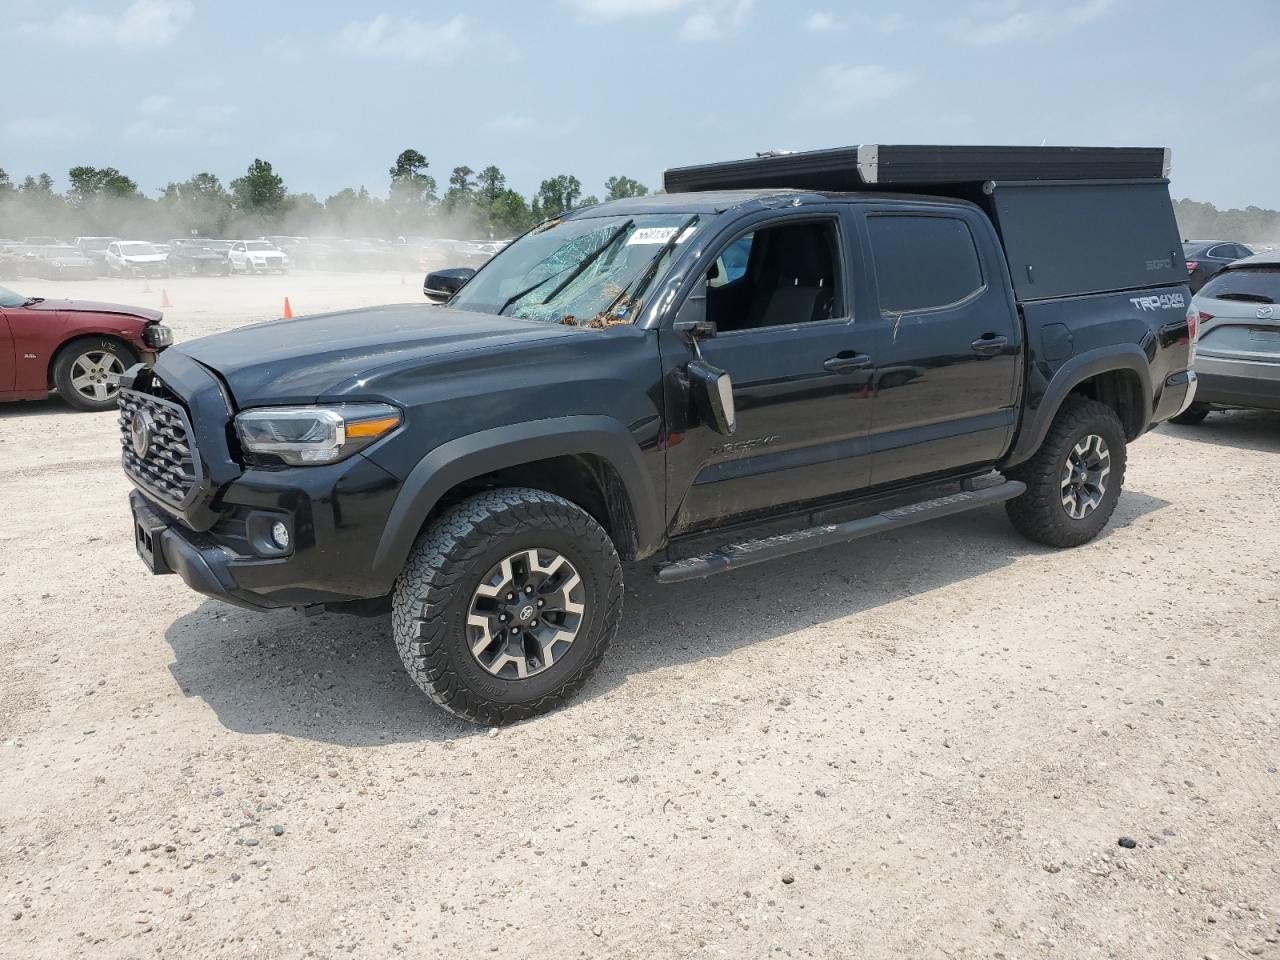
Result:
pixel 876 166
pixel 1072 220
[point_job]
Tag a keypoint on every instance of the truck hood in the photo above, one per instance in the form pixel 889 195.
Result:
pixel 93 306
pixel 300 360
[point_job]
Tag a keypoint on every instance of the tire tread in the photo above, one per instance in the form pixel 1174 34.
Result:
pixel 1037 514
pixel 429 583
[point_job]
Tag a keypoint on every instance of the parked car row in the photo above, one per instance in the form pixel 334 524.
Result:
pixel 89 257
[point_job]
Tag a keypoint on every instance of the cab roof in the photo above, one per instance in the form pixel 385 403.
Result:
pixel 721 201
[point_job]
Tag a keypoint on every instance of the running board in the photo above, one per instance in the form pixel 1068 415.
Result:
pixel 736 555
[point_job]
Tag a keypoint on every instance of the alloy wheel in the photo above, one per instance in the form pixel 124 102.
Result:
pixel 94 375
pixel 525 614
pixel 1084 476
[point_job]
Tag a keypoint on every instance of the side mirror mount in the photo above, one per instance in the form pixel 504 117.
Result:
pixel 713 395
pixel 691 319
pixel 440 285
pixel 712 388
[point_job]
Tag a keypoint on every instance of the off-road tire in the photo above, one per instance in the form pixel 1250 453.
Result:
pixel 73 350
pixel 434 593
pixel 1038 514
pixel 1192 415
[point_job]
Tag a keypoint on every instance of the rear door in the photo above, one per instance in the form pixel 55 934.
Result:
pixel 949 355
pixel 781 292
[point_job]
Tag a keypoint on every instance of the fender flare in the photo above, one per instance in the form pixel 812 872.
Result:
pixel 476 454
pixel 1070 375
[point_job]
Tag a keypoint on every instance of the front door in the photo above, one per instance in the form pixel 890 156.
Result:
pixel 780 295
pixel 948 360
pixel 8 362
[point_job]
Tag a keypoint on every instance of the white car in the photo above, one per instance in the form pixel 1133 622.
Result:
pixel 135 258
pixel 257 256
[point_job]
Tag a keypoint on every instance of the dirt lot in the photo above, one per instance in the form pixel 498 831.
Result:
pixel 924 745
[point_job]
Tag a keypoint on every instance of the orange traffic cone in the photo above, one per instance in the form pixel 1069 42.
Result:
pixel 146 284
pixel 164 298
pixel 288 310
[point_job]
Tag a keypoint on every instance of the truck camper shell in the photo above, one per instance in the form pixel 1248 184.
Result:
pixel 1073 221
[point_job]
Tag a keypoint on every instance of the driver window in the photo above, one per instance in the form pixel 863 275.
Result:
pixel 776 276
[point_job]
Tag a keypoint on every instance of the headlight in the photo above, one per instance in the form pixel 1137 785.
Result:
pixel 306 435
pixel 157 335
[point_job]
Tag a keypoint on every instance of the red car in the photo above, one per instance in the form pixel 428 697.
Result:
pixel 76 346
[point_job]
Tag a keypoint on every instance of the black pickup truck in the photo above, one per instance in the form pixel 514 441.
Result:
pixel 773 355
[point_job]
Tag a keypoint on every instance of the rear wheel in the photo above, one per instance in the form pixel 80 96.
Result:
pixel 87 372
pixel 507 604
pixel 1074 479
pixel 1194 414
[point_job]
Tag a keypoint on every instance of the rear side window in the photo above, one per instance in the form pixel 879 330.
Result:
pixel 923 262
pixel 1250 285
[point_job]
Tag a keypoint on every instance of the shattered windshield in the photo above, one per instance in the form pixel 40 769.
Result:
pixel 594 271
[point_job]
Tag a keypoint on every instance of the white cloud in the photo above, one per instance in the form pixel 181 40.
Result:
pixel 154 103
pixel 510 123
pixel 847 86
pixel 706 20
pixel 405 38
pixel 1090 10
pixel 144 23
pixel 51 129
pixel 715 20
pixel 284 50
pixel 605 10
pixel 821 21
pixel 1003 21
pixel 1015 26
pixel 161 123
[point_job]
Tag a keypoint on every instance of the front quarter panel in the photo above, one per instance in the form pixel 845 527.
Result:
pixel 467 414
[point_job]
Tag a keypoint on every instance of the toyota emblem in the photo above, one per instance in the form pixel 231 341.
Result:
pixel 1266 313
pixel 141 426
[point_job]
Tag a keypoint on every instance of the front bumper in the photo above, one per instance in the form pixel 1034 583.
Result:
pixel 1239 383
pixel 335 515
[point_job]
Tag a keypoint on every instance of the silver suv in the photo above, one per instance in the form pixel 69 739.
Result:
pixel 1238 356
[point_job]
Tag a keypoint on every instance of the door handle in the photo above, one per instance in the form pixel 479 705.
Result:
pixel 988 346
pixel 846 361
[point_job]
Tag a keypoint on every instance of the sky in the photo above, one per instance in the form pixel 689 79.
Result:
pixel 331 92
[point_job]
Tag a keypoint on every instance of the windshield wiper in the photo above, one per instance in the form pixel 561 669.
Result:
pixel 588 261
pixel 647 277
pixel 528 290
pixel 31 300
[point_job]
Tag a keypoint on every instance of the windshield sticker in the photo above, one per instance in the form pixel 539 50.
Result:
pixel 657 235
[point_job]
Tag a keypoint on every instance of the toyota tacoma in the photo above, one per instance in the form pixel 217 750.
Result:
pixel 773 355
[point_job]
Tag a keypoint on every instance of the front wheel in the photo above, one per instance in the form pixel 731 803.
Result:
pixel 507 604
pixel 87 372
pixel 1194 414
pixel 1074 479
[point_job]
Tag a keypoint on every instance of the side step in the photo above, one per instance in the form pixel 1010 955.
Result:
pixel 736 555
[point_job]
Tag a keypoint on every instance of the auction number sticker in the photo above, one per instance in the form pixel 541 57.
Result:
pixel 658 235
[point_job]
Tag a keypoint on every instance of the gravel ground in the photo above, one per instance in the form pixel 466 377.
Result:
pixel 923 745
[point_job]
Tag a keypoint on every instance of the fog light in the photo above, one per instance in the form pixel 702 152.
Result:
pixel 280 535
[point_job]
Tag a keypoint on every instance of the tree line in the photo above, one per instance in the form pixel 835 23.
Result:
pixel 473 205
pixel 1204 221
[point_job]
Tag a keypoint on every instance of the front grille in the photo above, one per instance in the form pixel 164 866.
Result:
pixel 169 464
